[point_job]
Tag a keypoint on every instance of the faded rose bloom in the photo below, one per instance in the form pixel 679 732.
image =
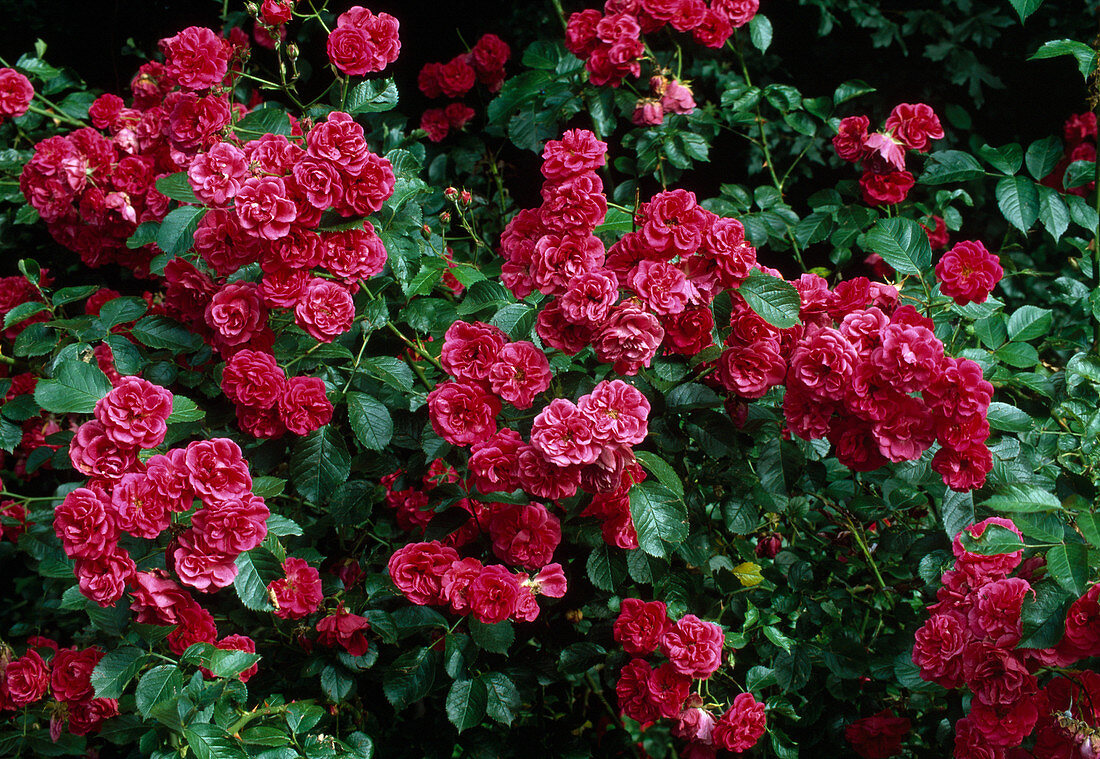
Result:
pixel 344 629
pixel 618 413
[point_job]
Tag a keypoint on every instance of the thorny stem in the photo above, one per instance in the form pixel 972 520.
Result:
pixel 561 13
pixel 247 717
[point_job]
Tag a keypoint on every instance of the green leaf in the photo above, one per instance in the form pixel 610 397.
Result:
pixel 850 90
pixel 482 295
pixel 72 294
pixel 280 526
pixel 302 716
pixel 185 410
pixel 1068 564
pixel 1002 416
pixel 1019 355
pixel 995 539
pixel 121 310
pixel 177 232
pixel 1053 212
pixel 902 244
pixel 1023 498
pixel 660 518
pixel 255 569
pixel 1029 322
pixel 157 685
pixel 319 464
pixel 1025 7
pixel 75 389
pixel 606 568
pixel 336 683
pixel 661 469
pixel 775 300
pixel 496 638
pixel 1045 527
pixel 950 166
pixel 211 742
pixel 1043 616
pixel 266 486
pixel 370 421
pixel 502 698
pixel 542 54
pixel 466 703
pixel 372 96
pixel 115 671
pixel 1085 55
pixel 760 32
pixel 1042 156
pixel 177 187
pixel 1018 200
pixel 163 333
pixel 23 311
pixel 1007 159
pixel 267 119
pixel 958 512
pixel 1090 527
pixel 410 677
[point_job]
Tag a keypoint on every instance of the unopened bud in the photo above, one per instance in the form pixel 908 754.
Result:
pixel 292 51
pixel 445 217
pixel 465 198
pixel 450 193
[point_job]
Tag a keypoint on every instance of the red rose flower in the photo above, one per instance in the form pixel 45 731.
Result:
pixel 640 625
pixel 741 726
pixel 299 593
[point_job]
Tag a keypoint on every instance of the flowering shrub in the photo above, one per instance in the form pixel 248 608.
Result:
pixel 329 432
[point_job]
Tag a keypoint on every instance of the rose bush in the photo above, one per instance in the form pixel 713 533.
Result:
pixel 329 435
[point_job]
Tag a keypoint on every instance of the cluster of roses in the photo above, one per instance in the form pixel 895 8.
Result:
pixel 16 94
pixel 666 95
pixel 882 154
pixel 484 63
pixel 434 574
pixel 610 43
pixel 268 404
pixel 266 199
pixel 672 267
pixel 693 649
pixel 1080 137
pixel 853 371
pixel 126 495
pixel 584 445
pixel 66 675
pixel 971 639
pixel 362 42
pixel 92 190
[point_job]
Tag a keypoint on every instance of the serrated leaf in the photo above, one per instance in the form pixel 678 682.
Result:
pixel 502 698
pixel 158 684
pixel 1082 53
pixel 1007 159
pixel 410 677
pixel 466 703
pixel 211 742
pixel 319 464
pixel 957 511
pixel 266 486
pixel 994 539
pixel 748 574
pixel 177 187
pixel 661 469
pixel 336 683
pixel 902 244
pixel 370 421
pixel 267 119
pixel 1068 565
pixel 184 410
pixel 760 32
pixel 115 671
pixel 255 569
pixel 176 234
pixel 1023 498
pixel 495 638
pixel 1002 416
pixel 1089 525
pixel 1018 199
pixel 1042 156
pixel 75 389
pixel 23 311
pixel 606 568
pixel 1053 212
pixel 1043 616
pixel 660 518
pixel 950 166
pixel 775 300
pixel 372 96
pixel 1029 322
pixel 1025 7
pixel 166 334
